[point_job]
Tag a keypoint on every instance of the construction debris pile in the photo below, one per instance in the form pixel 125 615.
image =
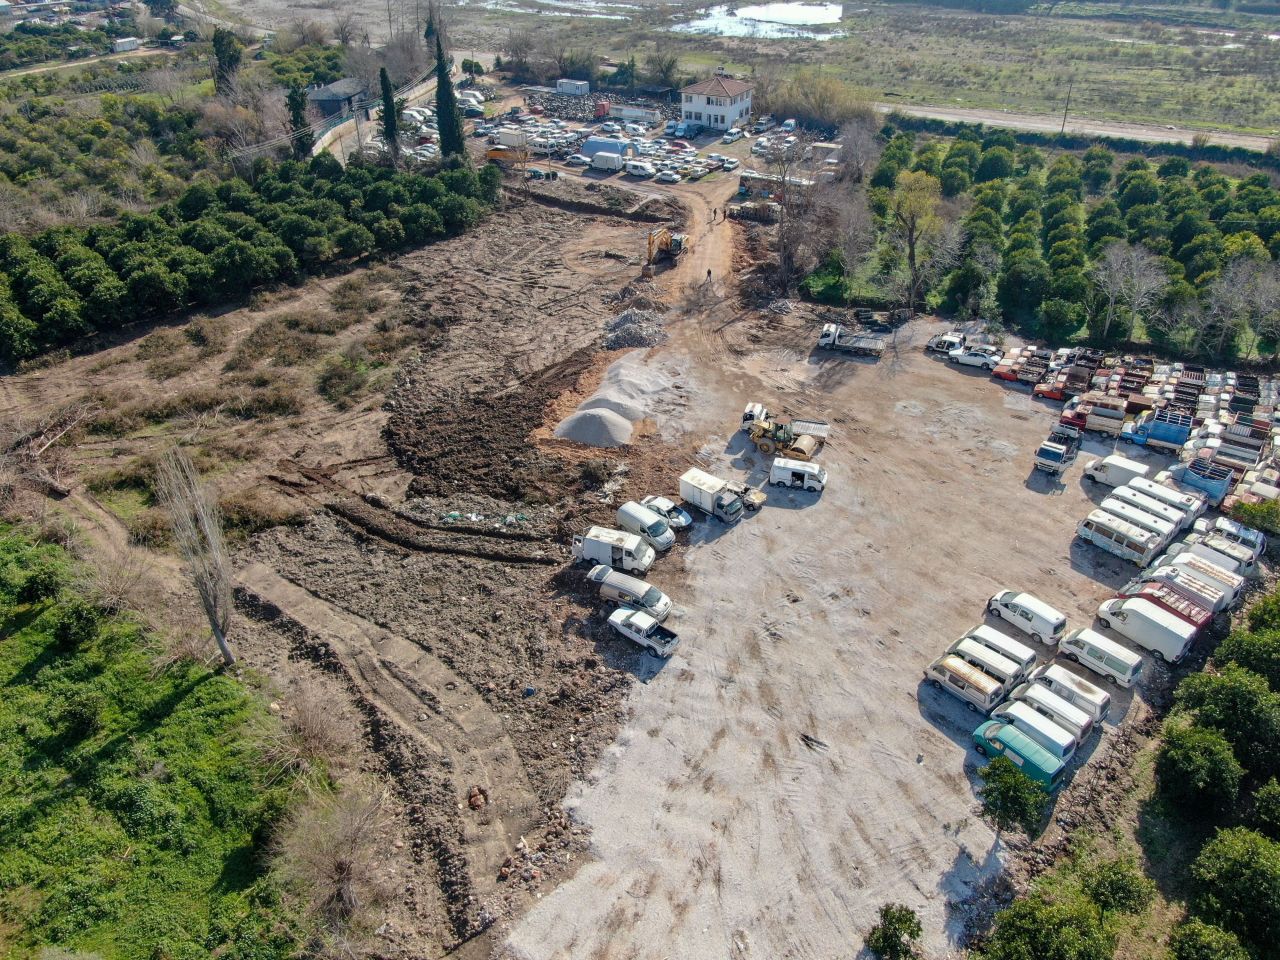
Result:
pixel 634 327
pixel 584 109
pixel 632 390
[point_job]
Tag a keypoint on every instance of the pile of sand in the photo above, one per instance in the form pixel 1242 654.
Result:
pixel 596 428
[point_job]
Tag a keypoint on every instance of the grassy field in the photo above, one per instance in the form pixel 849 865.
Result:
pixel 134 805
pixel 1121 64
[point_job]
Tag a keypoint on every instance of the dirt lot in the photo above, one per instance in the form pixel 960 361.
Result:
pixel 759 795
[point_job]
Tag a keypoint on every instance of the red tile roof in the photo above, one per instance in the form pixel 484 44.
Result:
pixel 719 87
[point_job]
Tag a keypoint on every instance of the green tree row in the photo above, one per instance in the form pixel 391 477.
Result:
pixel 32 43
pixel 217 242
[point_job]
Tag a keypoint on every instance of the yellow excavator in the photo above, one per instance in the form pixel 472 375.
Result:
pixel 663 243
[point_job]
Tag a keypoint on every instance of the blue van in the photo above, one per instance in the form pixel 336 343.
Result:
pixel 995 738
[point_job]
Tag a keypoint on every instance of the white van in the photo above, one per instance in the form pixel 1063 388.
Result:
pixel 1151 627
pixel 1029 614
pixel 797 473
pixel 640 520
pixel 1115 470
pixel 1119 537
pixel 1105 657
pixel 638 168
pixel 1179 519
pixel 1139 518
pixel 1075 690
pixel 630 591
pixel 625 551
pixel 1229 556
pixel 1006 646
pixel 1061 711
pixel 987 660
pixel 1232 584
pixel 978 690
pixel 1188 503
pixel 1234 531
pixel 1057 740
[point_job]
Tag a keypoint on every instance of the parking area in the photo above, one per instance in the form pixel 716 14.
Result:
pixel 787 771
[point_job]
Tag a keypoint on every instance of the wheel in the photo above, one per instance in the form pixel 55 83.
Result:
pixel 971 708
pixel 1106 624
pixel 937 684
pixel 811 489
pixel 1163 656
pixel 1073 657
pixel 766 447
pixel 1037 638
pixel 1091 478
pixel 982 751
pixel 954 359
pixel 1112 680
pixel 995 611
pixel 779 483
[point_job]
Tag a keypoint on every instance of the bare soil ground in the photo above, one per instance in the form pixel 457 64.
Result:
pixel 760 794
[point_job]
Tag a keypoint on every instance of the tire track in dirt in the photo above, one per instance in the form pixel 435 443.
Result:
pixel 447 721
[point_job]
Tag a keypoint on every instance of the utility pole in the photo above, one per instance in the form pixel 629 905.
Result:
pixel 1070 84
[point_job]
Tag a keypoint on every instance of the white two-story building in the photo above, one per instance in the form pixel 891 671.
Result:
pixel 718 104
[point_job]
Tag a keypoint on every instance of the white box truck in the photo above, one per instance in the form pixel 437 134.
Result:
pixel 1153 628
pixel 609 162
pixel 622 551
pixel 711 495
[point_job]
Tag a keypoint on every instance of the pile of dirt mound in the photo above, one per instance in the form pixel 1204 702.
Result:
pixel 595 427
pixel 634 328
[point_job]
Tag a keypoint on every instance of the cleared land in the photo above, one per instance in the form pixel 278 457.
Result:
pixel 758 795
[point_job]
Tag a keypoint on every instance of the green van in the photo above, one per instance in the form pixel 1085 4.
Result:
pixel 997 739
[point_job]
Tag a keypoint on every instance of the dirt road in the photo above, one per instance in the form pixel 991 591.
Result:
pixel 104 58
pixel 1146 132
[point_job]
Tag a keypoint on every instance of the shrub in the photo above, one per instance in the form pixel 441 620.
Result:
pixel 76 624
pixel 1118 886
pixel 1256 651
pixel 1040 929
pixel 596 471
pixel 1236 879
pixel 1263 516
pixel 894 936
pixel 1266 809
pixel 1011 799
pixel 344 376
pixel 1197 770
pixel 149 528
pixel 255 509
pixel 1238 703
pixel 79 714
pixel 42 583
pixel 1196 940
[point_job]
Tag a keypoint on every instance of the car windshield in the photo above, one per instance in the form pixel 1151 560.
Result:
pixel 657 528
pixel 651 597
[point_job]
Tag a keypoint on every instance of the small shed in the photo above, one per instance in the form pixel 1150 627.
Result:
pixel 593 145
pixel 573 88
pixel 337 97
pixel 125 44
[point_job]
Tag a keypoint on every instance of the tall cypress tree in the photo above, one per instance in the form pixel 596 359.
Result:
pixel 390 128
pixel 226 55
pixel 448 119
pixel 296 99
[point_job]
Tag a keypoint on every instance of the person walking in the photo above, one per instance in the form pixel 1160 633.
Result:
pixel 708 274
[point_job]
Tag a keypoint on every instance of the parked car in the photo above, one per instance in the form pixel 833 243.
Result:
pixel 639 627
pixel 670 127
pixel 578 160
pixel 677 518
pixel 668 176
pixel 610 128
pixel 1029 614
pixel 731 163
pixel 788 125
pixel 976 356
pixel 732 136
pixel 630 591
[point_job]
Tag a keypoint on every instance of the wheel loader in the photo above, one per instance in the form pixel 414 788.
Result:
pixel 798 440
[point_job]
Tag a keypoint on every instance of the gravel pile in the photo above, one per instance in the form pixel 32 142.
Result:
pixel 596 427
pixel 634 328
pixel 781 306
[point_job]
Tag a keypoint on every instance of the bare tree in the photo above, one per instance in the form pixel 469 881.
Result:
pixel 197 529
pixel 166 82
pixel 805 213
pixel 344 26
pixel 1126 275
pixel 860 148
pixel 855 229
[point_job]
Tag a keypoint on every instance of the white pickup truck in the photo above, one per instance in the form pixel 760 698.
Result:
pixel 639 627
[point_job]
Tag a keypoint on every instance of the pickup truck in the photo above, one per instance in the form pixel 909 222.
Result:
pixel 638 627
pixel 836 337
pixel 946 342
pixel 1058 450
